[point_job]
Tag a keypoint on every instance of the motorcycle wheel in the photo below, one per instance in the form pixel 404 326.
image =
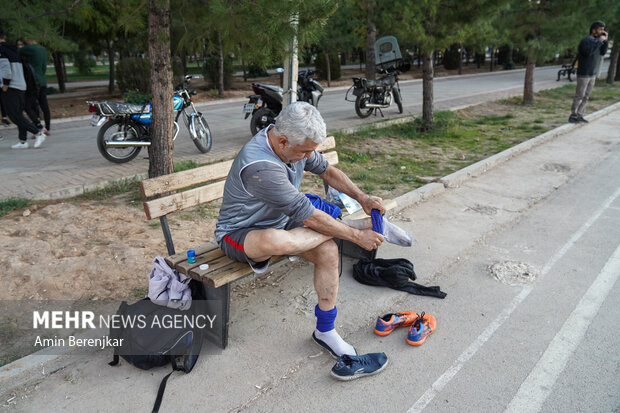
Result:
pixel 360 105
pixel 397 99
pixel 262 118
pixel 113 130
pixel 200 133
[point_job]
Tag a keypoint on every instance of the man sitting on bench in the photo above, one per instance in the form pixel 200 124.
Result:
pixel 263 213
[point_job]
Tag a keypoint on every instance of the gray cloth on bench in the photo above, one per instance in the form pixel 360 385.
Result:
pixel 261 191
pixel 167 287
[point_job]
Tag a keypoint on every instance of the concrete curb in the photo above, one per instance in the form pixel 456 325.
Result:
pixel 457 178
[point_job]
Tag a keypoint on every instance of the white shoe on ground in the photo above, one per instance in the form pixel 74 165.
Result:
pixel 20 145
pixel 40 138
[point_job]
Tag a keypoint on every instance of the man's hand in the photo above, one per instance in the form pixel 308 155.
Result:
pixel 369 239
pixel 5 88
pixel 603 36
pixel 369 203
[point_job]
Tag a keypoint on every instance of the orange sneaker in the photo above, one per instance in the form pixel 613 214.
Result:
pixel 421 328
pixel 388 322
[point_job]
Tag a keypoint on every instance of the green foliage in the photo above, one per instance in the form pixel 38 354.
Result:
pixel 134 74
pixel 12 204
pixel 136 97
pixel 334 66
pixel 210 70
pixel 83 63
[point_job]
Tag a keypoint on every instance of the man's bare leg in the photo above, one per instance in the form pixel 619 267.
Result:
pixel 323 253
pixel 264 243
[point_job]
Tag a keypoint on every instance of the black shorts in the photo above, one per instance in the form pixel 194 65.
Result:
pixel 232 245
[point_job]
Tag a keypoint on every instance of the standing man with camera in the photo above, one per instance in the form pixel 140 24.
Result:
pixel 590 52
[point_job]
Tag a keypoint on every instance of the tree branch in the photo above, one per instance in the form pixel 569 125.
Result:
pixel 52 13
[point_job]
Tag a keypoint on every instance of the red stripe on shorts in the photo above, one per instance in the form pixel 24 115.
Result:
pixel 235 245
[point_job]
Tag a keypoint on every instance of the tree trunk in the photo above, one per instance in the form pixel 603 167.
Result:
pixel 492 58
pixel 528 86
pixel 343 58
pixel 220 66
pixel 461 51
pixel 111 79
pixel 371 38
pixel 61 74
pixel 427 91
pixel 161 149
pixel 419 57
pixel 327 69
pixel 245 73
pixel 613 64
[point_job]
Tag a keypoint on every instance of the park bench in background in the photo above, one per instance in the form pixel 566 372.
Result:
pixel 568 70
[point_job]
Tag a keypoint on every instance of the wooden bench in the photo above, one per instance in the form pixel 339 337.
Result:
pixel 165 195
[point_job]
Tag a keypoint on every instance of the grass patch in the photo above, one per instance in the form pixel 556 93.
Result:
pixel 128 187
pixel 397 159
pixel 11 204
pixel 185 165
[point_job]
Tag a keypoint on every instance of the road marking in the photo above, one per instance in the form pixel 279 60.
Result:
pixel 538 385
pixel 488 332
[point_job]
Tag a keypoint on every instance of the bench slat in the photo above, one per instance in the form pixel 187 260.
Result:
pixel 226 274
pixel 332 157
pixel 176 202
pixel 173 260
pixel 387 203
pixel 193 197
pixel 172 182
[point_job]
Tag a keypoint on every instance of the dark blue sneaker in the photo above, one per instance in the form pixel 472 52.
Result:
pixel 353 367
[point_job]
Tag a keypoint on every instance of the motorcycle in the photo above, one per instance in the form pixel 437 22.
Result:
pixel 377 94
pixel 126 127
pixel 266 103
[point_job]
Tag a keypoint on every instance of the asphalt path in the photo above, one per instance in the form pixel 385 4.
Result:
pixel 69 161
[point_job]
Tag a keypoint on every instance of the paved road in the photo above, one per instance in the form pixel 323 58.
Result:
pixel 69 161
pixel 548 345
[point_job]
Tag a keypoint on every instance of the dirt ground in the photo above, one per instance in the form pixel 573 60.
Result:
pixel 86 249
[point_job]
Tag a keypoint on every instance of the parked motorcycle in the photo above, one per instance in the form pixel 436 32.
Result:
pixel 266 103
pixel 376 94
pixel 126 127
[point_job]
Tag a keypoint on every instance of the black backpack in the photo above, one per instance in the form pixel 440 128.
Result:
pixel 148 344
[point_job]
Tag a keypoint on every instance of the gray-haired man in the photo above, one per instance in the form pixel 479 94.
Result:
pixel 263 213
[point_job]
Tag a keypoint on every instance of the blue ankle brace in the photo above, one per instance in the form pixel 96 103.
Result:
pixel 325 319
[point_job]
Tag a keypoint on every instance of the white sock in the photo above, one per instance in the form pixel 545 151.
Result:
pixel 335 342
pixel 396 235
pixel 392 233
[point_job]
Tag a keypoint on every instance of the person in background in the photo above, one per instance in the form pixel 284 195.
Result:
pixel 36 55
pixel 13 94
pixel 591 50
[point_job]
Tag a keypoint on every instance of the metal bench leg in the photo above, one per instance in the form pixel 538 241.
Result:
pixel 221 295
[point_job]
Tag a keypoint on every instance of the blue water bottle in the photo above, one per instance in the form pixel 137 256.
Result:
pixel 191 256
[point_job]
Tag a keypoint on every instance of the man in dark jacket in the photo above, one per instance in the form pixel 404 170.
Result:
pixel 591 50
pixel 14 94
pixel 36 56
